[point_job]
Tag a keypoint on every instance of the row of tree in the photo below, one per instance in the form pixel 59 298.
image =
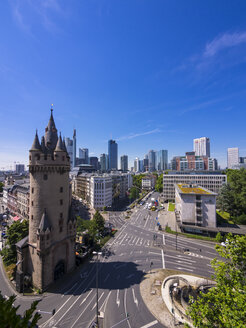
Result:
pixel 232 196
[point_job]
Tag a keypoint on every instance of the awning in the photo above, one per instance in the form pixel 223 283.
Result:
pixel 16 218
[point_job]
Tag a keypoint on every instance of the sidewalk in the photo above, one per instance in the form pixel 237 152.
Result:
pixel 168 218
pixel 150 289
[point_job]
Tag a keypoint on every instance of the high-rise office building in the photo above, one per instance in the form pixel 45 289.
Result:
pixel 124 163
pixel 152 160
pixel 232 157
pixel 136 165
pixel 162 157
pixel 94 162
pixel 74 148
pixel 201 146
pixel 69 146
pixel 113 155
pixel 19 168
pixel 103 162
pixel 84 154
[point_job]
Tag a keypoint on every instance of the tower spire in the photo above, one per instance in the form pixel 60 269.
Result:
pixel 36 143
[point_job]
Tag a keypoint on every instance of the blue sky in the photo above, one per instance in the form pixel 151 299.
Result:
pixel 150 74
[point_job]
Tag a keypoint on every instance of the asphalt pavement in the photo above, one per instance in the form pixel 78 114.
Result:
pixel 137 247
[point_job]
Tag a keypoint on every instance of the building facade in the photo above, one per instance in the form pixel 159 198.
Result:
pixel 162 160
pixel 195 205
pixel 100 192
pixel 103 163
pixel 84 154
pixel 232 157
pixel 49 250
pixel 124 163
pixel 201 146
pixel 69 147
pixel 152 160
pixel 212 181
pixel 19 168
pixel 192 162
pixel 112 155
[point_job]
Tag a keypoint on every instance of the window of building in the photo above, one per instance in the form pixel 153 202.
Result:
pixel 32 203
pixel 61 189
pixel 61 201
pixel 32 217
pixel 45 177
pixel 60 228
pixel 61 215
pixel 32 190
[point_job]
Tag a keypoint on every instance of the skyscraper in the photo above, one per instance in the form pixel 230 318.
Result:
pixel 232 157
pixel 74 148
pixel 69 146
pixel 113 155
pixel 152 162
pixel 84 154
pixel 136 165
pixel 124 163
pixel 201 146
pixel 162 160
pixel 103 162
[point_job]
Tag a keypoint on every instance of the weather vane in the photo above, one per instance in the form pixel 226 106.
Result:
pixel 51 107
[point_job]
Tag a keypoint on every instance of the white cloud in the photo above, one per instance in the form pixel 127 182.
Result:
pixel 135 135
pixel 225 41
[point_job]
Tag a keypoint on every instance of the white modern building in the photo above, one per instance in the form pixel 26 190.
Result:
pixel 232 157
pixel 100 192
pixel 211 181
pixel 195 205
pixel 201 146
pixel 136 165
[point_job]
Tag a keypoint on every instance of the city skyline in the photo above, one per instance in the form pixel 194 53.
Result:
pixel 144 74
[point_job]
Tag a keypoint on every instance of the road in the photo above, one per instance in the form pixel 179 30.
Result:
pixel 131 253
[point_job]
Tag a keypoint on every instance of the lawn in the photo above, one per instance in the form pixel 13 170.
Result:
pixel 171 207
pixel 223 217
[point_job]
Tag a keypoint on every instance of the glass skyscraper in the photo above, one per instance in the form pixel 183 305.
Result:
pixel 112 155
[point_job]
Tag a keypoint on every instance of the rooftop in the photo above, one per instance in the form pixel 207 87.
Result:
pixel 192 189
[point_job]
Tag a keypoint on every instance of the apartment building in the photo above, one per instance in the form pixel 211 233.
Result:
pixel 148 182
pixel 212 181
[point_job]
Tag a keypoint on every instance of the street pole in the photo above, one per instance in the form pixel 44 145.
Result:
pixel 176 232
pixel 97 321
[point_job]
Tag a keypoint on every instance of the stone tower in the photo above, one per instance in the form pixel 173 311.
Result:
pixel 52 227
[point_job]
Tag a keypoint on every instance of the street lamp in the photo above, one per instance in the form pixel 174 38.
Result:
pixel 97 253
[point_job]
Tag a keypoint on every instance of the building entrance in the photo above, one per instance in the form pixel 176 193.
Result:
pixel 59 270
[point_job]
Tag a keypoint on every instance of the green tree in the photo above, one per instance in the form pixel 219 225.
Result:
pixel 17 231
pixel 225 199
pixel 9 317
pixel 134 193
pixel 97 226
pixel 159 183
pixel 1 186
pixel 137 180
pixel 223 306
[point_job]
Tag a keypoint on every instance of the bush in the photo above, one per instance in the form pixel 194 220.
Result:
pixel 219 238
pixel 240 219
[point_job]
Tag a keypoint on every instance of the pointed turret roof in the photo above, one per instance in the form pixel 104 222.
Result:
pixel 43 145
pixel 36 144
pixel 44 223
pixel 51 134
pixel 64 145
pixel 59 145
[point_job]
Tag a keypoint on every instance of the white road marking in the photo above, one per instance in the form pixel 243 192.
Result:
pixel 86 297
pixel 106 277
pixel 163 261
pixel 150 324
pixel 80 313
pixel 69 290
pixel 134 297
pixel 98 301
pixel 126 308
pixel 117 298
pixel 185 269
pixel 163 237
pixel 154 253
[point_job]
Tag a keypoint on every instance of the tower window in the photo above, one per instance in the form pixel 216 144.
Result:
pixel 32 190
pixel 32 203
pixel 30 157
pixel 45 177
pixel 32 217
pixel 61 215
pixel 61 189
pixel 60 228
pixel 61 202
